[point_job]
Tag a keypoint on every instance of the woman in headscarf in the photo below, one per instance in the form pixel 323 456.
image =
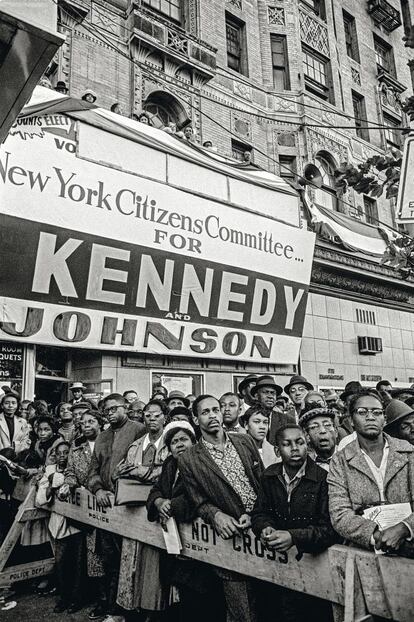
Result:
pixel 198 586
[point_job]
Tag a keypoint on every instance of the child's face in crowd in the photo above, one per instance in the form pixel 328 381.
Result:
pixel 44 431
pixel 62 453
pixel 292 448
pixel 258 426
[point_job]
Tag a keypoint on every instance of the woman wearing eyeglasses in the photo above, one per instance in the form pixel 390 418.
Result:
pixel 372 470
pixel 111 447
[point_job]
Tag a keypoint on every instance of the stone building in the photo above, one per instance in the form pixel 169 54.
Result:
pixel 293 82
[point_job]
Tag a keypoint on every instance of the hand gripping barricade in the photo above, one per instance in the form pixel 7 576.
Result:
pixel 358 583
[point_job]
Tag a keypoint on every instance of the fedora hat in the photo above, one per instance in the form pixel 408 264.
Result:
pixel 266 381
pixel 350 388
pixel 395 411
pixel 77 385
pixel 177 395
pixel 250 379
pixel 60 85
pixel 298 380
pixel 397 392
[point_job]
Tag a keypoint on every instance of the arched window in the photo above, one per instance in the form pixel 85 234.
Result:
pixel 326 196
pixel 165 108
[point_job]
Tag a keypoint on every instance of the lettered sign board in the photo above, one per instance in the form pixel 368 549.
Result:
pixel 96 256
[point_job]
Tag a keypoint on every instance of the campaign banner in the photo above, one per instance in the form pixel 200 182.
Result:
pixel 95 257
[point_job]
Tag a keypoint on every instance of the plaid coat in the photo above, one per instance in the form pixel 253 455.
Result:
pixel 206 484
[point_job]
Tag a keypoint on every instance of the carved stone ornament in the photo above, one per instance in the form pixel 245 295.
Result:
pixel 236 3
pixel 356 76
pixel 241 126
pixel 323 141
pixel 314 33
pixel 284 105
pixel 357 285
pixel 276 15
pixel 242 90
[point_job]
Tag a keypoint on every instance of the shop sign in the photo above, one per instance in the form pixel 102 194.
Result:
pixel 331 377
pixel 405 199
pixel 94 257
pixel 11 361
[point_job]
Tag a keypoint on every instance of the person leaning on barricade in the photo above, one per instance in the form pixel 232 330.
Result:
pixel 371 479
pixel 221 475
pixel 64 536
pixel 197 584
pixel 86 548
pixel 142 466
pixel 110 449
pixel 291 510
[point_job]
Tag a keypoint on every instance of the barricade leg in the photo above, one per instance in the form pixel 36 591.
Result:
pixel 12 574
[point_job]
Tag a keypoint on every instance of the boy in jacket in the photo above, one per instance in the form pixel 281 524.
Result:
pixel 292 510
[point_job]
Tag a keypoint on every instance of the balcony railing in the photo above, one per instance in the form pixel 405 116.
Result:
pixel 172 41
pixel 385 14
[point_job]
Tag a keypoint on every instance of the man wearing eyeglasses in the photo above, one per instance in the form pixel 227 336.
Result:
pixel 373 470
pixel 111 447
pixel 321 434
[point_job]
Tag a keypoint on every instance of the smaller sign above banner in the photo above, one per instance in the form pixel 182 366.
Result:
pixel 405 199
pixel 11 361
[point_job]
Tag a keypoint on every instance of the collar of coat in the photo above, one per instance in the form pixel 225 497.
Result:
pixel 396 445
pixel 399 455
pixel 312 471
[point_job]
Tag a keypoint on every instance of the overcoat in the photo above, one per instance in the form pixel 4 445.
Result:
pixel 21 436
pixel 207 486
pixel 306 516
pixel 352 488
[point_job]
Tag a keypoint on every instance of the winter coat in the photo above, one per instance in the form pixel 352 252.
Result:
pixel 306 516
pixel 352 488
pixel 207 486
pixel 21 436
pixel 170 487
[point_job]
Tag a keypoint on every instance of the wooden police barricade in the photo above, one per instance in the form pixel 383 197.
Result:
pixel 358 583
pixel 11 574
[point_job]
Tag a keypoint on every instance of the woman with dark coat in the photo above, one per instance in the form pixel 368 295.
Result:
pixel 197 584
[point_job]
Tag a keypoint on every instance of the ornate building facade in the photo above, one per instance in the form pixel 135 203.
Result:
pixel 292 82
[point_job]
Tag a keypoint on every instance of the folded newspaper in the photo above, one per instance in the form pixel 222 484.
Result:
pixel 172 537
pixel 388 515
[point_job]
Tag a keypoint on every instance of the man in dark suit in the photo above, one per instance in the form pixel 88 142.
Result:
pixel 221 474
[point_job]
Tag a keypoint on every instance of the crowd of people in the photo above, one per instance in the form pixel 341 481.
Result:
pixel 302 468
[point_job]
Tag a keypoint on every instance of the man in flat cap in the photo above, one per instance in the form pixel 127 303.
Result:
pixel 321 434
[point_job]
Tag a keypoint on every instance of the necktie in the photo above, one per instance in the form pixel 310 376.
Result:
pixel 148 456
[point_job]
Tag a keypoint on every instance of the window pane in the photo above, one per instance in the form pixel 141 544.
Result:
pixel 371 211
pixel 287 167
pixel 171 8
pixel 280 62
pixel 234 46
pixel 384 56
pixel 351 41
pixel 392 136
